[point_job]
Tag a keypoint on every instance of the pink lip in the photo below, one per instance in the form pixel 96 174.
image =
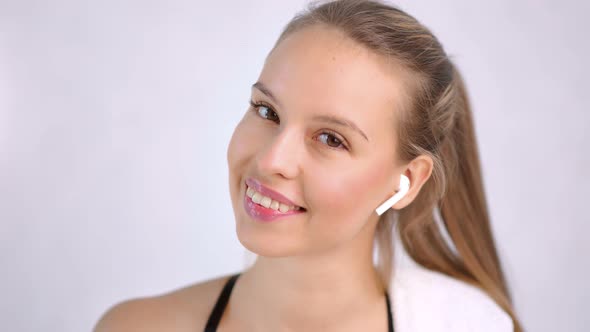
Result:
pixel 261 213
pixel 256 185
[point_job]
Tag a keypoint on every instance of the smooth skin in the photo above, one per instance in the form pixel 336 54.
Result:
pixel 314 271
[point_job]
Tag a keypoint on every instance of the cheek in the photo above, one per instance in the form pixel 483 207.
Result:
pixel 236 145
pixel 349 194
pixel 240 149
pixel 242 144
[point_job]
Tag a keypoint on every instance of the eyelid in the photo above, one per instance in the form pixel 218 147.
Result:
pixel 254 104
pixel 339 137
pixel 261 103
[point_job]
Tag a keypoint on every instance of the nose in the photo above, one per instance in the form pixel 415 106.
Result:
pixel 281 154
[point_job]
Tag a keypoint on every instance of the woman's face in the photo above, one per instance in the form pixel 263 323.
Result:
pixel 321 135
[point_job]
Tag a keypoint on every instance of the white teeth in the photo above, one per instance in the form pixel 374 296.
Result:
pixel 267 202
pixel 274 205
pixel 250 192
pixel 256 198
pixel 283 207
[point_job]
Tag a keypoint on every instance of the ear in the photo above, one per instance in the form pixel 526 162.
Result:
pixel 418 171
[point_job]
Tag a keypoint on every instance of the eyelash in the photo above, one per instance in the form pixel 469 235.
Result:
pixel 255 105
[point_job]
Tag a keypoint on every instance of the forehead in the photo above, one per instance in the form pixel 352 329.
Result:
pixel 320 70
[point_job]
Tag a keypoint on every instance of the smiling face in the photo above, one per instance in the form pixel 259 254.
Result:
pixel 321 133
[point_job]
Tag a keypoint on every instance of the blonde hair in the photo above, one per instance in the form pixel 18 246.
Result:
pixel 437 123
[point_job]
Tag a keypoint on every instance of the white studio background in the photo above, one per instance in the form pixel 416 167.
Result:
pixel 115 118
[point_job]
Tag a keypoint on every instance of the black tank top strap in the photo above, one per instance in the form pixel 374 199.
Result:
pixel 389 313
pixel 223 298
pixel 220 305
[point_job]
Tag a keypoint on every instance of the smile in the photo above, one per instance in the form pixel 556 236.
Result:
pixel 268 202
pixel 265 209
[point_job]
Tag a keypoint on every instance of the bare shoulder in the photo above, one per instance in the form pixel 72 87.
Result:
pixel 183 309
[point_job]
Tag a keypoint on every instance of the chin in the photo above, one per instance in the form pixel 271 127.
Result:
pixel 265 241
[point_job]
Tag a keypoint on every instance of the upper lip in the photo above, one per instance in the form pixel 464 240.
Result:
pixel 266 191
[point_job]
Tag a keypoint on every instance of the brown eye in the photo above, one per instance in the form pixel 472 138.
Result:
pixel 269 114
pixel 264 111
pixel 331 140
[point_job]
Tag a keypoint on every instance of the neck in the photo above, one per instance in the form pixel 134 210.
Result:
pixel 304 293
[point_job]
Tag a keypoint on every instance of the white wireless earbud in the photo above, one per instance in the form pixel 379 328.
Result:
pixel 403 190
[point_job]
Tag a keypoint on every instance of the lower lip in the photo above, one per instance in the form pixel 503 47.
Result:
pixel 263 214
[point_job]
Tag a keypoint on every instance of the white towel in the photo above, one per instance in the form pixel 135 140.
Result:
pixel 428 301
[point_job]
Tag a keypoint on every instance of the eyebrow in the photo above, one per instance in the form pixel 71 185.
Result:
pixel 324 118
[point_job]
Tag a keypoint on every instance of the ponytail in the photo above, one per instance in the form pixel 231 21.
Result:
pixel 463 210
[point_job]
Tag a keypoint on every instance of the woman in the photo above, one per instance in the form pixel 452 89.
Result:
pixel 354 96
